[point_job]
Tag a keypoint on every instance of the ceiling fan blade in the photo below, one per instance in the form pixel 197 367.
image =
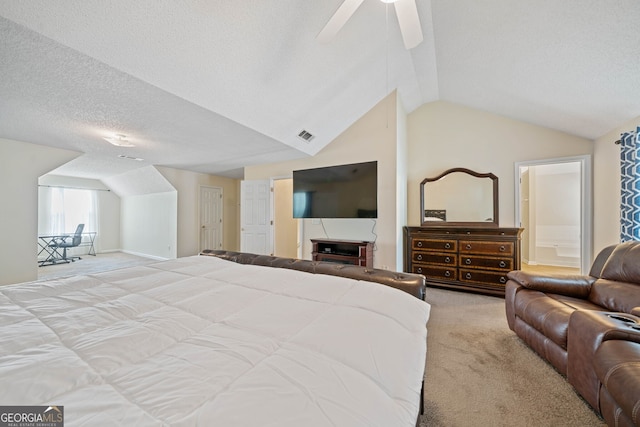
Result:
pixel 337 21
pixel 409 21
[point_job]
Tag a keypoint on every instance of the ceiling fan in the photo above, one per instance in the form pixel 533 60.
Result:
pixel 406 11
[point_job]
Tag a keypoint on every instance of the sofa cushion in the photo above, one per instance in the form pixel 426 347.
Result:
pixel 617 365
pixel 622 265
pixel 615 296
pixel 549 313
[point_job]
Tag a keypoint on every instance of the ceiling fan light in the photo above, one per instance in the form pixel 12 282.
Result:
pixel 119 141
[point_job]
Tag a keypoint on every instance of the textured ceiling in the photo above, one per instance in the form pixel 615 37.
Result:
pixel 213 86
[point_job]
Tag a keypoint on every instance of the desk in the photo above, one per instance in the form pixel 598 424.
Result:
pixel 52 254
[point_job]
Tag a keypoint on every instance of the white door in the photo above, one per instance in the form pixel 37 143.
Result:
pixel 210 218
pixel 256 225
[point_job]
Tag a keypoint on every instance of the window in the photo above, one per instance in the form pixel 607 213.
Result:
pixel 62 209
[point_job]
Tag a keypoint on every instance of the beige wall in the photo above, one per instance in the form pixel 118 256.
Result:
pixel 606 187
pixel 443 135
pixel 188 185
pixel 20 166
pixel 148 225
pixel 372 137
pixel 285 241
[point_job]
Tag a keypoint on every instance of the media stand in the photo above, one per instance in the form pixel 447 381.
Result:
pixel 355 252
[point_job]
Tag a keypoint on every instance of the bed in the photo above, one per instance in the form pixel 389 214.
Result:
pixel 203 340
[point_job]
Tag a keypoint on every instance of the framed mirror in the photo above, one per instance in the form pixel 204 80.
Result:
pixel 460 196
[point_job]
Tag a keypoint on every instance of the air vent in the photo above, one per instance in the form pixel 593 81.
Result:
pixel 306 136
pixel 122 156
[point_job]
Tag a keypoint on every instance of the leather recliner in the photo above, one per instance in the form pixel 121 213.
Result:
pixel 587 327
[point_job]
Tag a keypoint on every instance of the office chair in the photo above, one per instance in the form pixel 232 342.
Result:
pixel 63 243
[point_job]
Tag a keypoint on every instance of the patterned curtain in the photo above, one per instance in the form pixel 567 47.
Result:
pixel 630 186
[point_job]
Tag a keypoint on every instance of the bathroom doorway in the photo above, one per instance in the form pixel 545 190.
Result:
pixel 553 206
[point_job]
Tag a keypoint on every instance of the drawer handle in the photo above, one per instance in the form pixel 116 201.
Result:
pixel 447 273
pixel 468 247
pixel 468 276
pixel 447 245
pixel 419 257
pixel 447 260
pixel 419 270
pixel 503 248
pixel 503 264
pixel 419 244
pixel 503 280
pixel 467 261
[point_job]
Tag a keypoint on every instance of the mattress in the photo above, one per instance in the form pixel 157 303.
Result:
pixel 204 341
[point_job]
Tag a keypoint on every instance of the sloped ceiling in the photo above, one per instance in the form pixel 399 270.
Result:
pixel 213 86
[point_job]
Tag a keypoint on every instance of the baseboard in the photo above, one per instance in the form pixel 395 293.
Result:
pixel 157 258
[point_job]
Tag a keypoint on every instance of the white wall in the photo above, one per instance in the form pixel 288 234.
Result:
pixel 20 166
pixel 188 185
pixel 443 135
pixel 606 186
pixel 554 202
pixel 373 137
pixel 402 164
pixel 149 225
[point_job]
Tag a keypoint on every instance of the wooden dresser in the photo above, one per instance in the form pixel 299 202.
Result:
pixel 465 258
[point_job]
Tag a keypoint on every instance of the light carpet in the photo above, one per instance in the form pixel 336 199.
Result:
pixel 479 373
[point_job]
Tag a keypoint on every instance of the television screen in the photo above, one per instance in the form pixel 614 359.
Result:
pixel 344 191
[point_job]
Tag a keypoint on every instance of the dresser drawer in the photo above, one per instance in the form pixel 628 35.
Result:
pixel 476 261
pixel 483 247
pixel 433 272
pixel 483 277
pixel 434 258
pixel 434 245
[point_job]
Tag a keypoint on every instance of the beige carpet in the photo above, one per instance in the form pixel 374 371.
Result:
pixel 479 373
pixel 90 264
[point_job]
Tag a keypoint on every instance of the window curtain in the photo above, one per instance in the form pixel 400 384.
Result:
pixel 630 186
pixel 60 210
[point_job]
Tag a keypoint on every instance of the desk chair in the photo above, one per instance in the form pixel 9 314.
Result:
pixel 65 242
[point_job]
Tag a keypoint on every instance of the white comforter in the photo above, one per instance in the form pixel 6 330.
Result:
pixel 203 341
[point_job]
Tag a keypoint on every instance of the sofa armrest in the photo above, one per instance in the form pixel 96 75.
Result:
pixel 577 286
pixel 587 330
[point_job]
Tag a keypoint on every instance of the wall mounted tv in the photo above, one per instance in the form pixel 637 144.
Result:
pixel 344 191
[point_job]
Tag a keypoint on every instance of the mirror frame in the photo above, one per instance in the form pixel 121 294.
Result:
pixel 493 223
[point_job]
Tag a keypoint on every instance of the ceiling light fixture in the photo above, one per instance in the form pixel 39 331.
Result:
pixel 388 1
pixel 122 156
pixel 119 140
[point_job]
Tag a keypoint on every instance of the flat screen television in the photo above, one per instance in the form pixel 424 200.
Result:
pixel 343 191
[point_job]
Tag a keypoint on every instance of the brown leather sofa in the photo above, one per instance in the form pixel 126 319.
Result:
pixel 408 282
pixel 587 328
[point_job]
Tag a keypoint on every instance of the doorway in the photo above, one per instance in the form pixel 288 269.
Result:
pixel 553 206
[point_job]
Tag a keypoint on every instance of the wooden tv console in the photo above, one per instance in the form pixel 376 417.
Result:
pixel 355 252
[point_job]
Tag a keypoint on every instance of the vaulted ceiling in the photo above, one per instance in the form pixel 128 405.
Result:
pixel 213 86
